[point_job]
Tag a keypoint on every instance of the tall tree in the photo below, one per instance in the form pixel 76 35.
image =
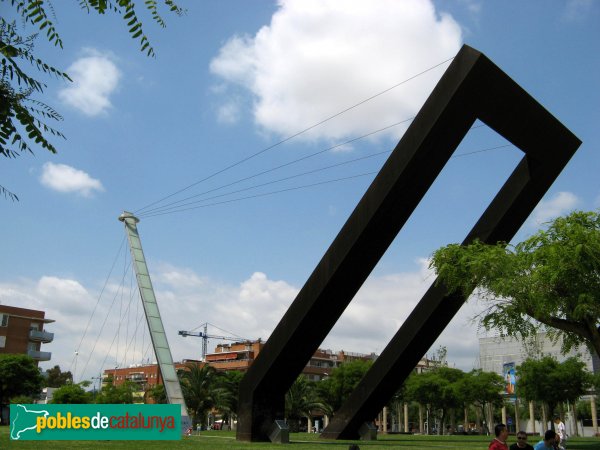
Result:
pixel 198 384
pixel 300 400
pixel 23 119
pixel 438 388
pixel 550 281
pixel 337 387
pixel 19 375
pixel 227 394
pixel 546 380
pixel 122 394
pixel 57 378
pixel 481 389
pixel 71 393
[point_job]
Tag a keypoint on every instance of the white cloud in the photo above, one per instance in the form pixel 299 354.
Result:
pixel 63 178
pixel 229 112
pixel 318 57
pixel 95 77
pixel 117 333
pixel 561 203
pixel 473 6
pixel 576 10
pixel 65 301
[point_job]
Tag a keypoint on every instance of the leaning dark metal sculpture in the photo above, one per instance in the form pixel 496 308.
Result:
pixel 471 88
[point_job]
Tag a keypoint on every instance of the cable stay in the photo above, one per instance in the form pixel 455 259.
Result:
pixel 291 177
pixel 290 189
pixel 73 366
pixel 299 133
pixel 281 166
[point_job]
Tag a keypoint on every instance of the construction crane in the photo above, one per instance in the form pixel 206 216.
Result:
pixel 205 337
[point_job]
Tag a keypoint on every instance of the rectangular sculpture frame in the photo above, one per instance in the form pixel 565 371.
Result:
pixel 472 88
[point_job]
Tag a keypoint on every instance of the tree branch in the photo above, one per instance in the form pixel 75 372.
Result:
pixel 569 326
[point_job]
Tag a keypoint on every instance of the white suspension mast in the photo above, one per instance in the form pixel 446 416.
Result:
pixel 155 325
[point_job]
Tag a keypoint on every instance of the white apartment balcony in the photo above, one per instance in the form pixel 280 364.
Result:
pixel 39 356
pixel 40 336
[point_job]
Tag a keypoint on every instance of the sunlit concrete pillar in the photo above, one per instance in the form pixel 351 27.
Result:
pixel 503 415
pixel 544 419
pixel 594 414
pixel 531 417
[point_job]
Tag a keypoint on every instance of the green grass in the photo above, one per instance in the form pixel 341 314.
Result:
pixel 216 440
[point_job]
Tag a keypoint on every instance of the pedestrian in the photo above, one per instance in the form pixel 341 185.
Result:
pixel 548 442
pixel 521 443
pixel 561 432
pixel 499 442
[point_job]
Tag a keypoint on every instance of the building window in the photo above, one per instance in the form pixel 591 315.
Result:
pixel 2 341
pixel 3 320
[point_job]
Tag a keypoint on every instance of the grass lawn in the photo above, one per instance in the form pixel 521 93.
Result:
pixel 298 441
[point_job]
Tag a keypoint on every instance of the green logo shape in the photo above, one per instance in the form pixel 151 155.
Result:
pixel 95 422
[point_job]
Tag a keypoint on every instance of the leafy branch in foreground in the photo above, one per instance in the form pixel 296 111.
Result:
pixel 23 119
pixel 550 281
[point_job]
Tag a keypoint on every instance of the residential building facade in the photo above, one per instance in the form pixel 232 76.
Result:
pixel 22 332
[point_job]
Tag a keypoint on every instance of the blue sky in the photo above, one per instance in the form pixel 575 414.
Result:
pixel 230 80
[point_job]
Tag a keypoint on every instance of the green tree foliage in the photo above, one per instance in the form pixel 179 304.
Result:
pixel 337 387
pixel 550 281
pixel 546 380
pixel 437 388
pixel 300 400
pixel 157 394
pixel 227 393
pixel 19 375
pixel 57 378
pixel 71 393
pixel 479 388
pixel 122 394
pixel 24 121
pixel 198 384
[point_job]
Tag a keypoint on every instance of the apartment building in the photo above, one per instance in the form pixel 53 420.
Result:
pixel 22 332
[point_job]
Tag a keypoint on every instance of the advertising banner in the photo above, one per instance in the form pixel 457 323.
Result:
pixel 510 379
pixel 95 422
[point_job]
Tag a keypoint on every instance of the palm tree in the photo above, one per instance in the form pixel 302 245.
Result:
pixel 198 387
pixel 227 394
pixel 300 400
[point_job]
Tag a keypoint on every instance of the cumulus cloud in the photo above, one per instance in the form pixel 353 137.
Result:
pixel 577 10
pixel 117 334
pixel 65 301
pixel 67 179
pixel 561 203
pixel 95 77
pixel 318 57
pixel 473 6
